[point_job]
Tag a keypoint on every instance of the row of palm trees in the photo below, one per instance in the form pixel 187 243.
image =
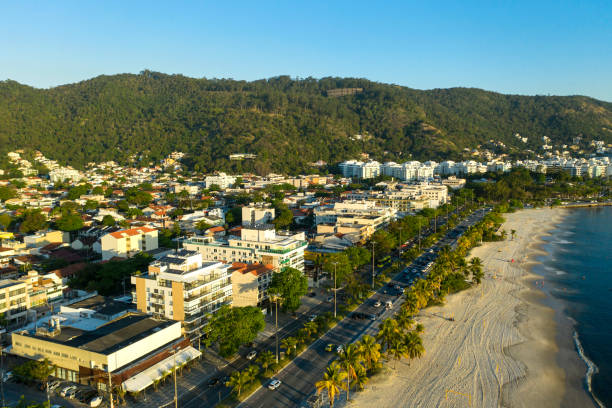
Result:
pixel 399 337
pixel 267 360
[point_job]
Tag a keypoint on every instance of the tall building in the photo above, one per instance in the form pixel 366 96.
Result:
pixel 180 286
pixel 129 242
pixel 257 214
pixel 256 244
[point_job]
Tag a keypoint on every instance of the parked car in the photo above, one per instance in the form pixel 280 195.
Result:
pixel 7 376
pixel 339 349
pixel 251 355
pixel 274 384
pixel 95 401
pixel 377 304
pixel 66 390
pixel 312 317
pixel 54 385
pixel 213 381
pixel 330 347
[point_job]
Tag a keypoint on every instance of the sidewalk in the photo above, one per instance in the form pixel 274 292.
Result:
pixel 206 368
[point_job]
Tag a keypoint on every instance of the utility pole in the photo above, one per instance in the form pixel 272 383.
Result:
pixel 335 291
pixel 419 234
pixel 276 331
pixel 399 250
pixel 48 397
pixel 110 389
pixel 2 374
pixel 175 393
pixel 372 264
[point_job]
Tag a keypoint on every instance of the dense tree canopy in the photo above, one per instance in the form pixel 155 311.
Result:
pixel 290 284
pixel 287 123
pixel 232 327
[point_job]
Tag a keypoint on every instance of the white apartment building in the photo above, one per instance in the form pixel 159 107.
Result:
pixel 126 243
pixel 256 244
pixel 181 286
pixel 257 214
pixel 221 179
pixel 343 212
pixel 64 173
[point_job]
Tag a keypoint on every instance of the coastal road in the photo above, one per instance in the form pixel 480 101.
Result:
pixel 299 376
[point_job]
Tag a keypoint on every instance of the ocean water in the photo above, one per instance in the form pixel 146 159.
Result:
pixel 578 271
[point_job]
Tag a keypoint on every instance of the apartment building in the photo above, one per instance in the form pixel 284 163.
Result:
pixel 250 283
pixel 14 300
pixel 257 214
pixel 221 179
pixel 256 244
pixel 353 211
pixel 126 243
pixel 182 287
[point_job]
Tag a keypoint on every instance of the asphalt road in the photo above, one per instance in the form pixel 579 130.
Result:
pixel 298 377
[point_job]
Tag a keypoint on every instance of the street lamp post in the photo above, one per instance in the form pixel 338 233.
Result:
pixel 335 290
pixel 175 393
pixel 275 300
pixel 399 251
pixel 372 264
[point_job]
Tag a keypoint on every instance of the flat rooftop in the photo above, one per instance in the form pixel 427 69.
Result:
pixel 111 337
pixel 101 305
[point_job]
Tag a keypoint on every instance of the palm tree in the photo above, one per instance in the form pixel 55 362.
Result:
pixel 388 332
pixel 414 345
pixel 289 343
pixel 361 377
pixel 419 328
pixel 512 232
pixel 311 328
pixel 332 382
pixel 404 319
pixel 350 359
pixel 253 371
pixel 398 350
pixel 238 380
pixel 266 359
pixel 370 351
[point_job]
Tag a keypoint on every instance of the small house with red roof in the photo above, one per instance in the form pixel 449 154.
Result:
pixel 128 242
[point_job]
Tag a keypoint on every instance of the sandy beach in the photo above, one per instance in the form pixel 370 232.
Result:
pixel 504 347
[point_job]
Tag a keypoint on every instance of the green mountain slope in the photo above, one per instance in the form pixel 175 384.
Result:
pixel 288 123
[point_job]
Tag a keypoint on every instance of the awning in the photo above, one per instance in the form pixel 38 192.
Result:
pixel 145 378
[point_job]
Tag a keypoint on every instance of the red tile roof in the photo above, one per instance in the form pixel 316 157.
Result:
pixel 256 269
pixel 131 232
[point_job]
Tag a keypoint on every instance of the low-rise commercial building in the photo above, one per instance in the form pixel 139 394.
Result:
pixel 86 351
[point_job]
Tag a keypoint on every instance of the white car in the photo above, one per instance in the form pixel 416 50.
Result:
pixel 274 384
pixel 339 349
pixel 67 390
pixel 312 317
pixel 251 355
pixel 95 401
pixel 377 304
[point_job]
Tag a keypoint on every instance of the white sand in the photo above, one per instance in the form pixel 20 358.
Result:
pixel 502 341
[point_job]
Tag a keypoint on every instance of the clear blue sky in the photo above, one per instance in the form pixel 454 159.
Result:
pixel 513 46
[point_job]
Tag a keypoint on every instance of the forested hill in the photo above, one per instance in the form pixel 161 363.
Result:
pixel 287 123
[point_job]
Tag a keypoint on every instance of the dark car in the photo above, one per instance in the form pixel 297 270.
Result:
pixel 213 382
